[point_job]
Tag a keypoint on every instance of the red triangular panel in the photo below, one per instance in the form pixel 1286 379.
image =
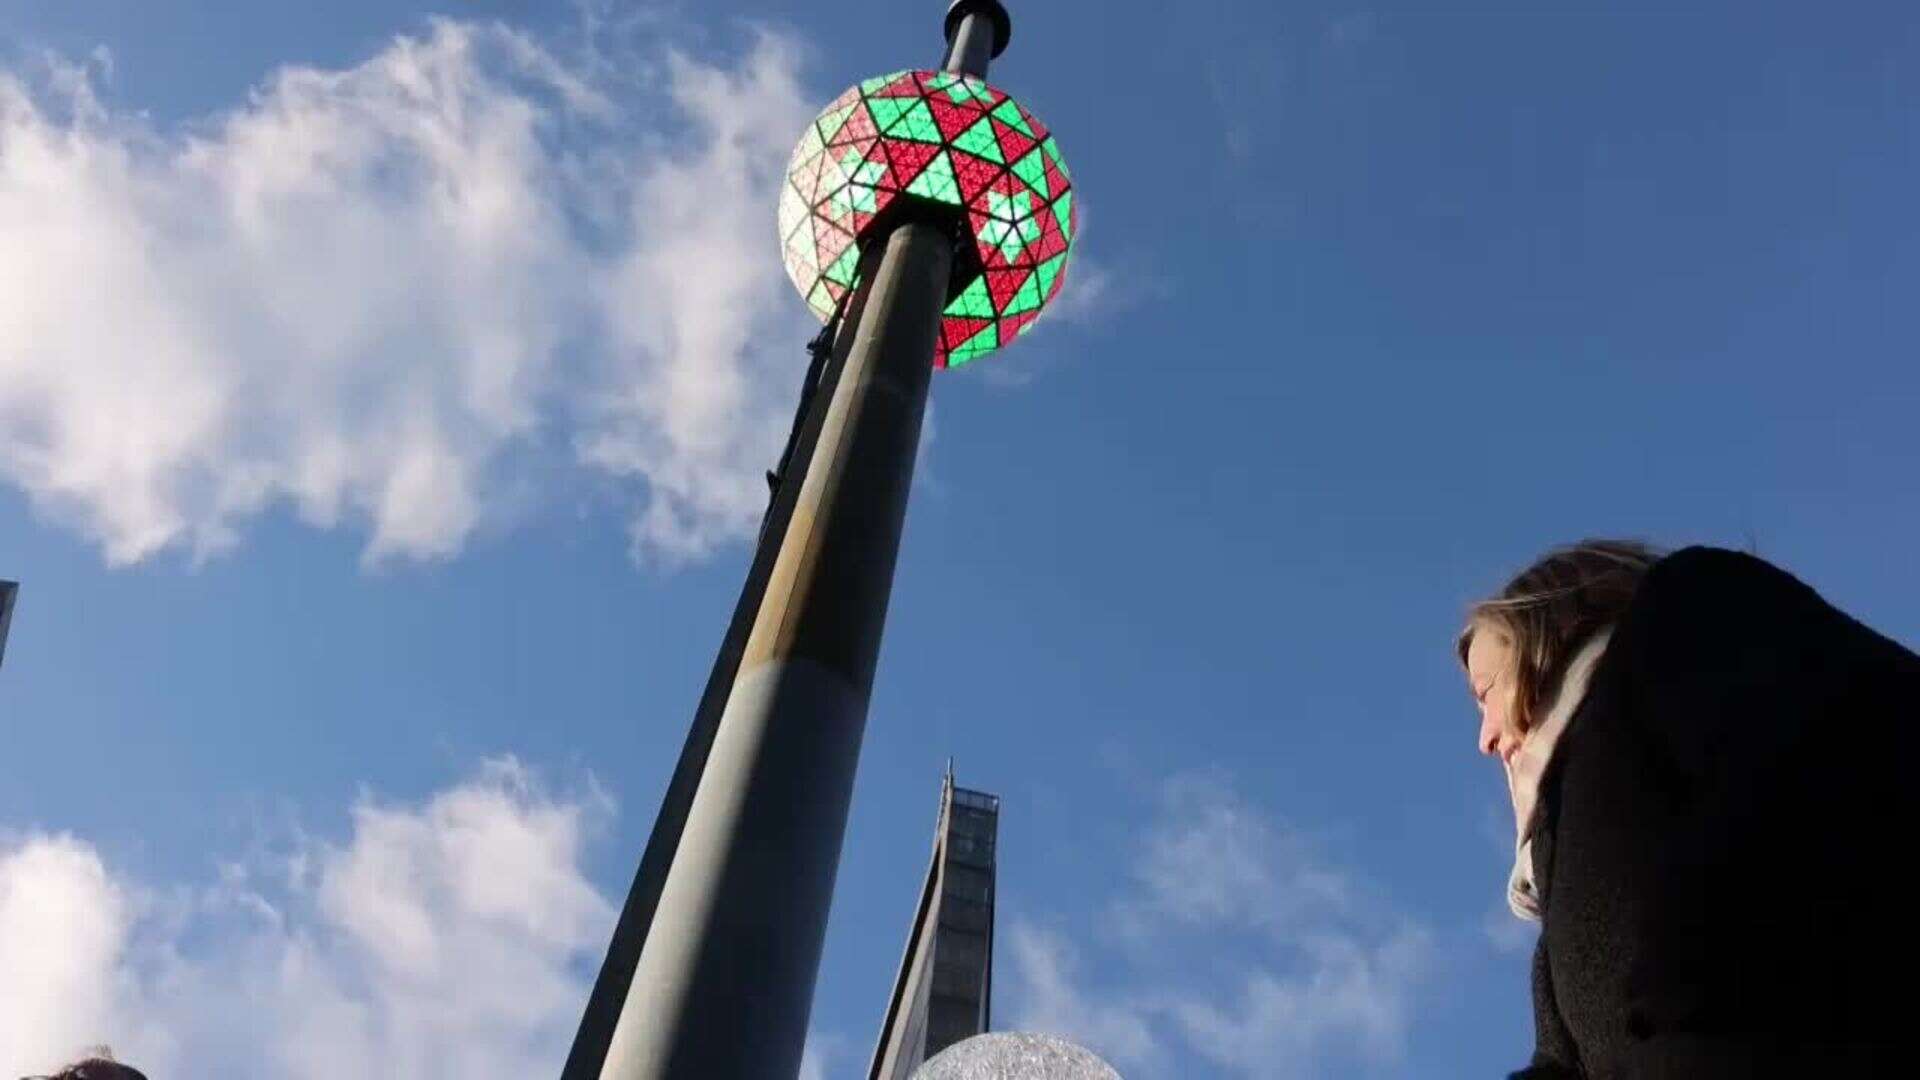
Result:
pixel 876 152
pixel 1056 182
pixel 858 127
pixel 954 330
pixel 1009 185
pixel 1002 284
pixel 908 159
pixel 904 86
pixel 953 119
pixel 1013 142
pixel 829 241
pixel 1051 243
pixel 799 255
pixel 1059 280
pixel 806 180
pixel 973 174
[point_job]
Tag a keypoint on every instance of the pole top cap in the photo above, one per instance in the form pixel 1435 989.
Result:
pixel 991 9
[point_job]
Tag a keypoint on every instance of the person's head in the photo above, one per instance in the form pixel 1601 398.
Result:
pixel 96 1068
pixel 1518 643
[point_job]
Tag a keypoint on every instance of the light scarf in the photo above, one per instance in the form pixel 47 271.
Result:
pixel 1530 764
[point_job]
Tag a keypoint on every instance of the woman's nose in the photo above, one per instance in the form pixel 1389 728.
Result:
pixel 1489 736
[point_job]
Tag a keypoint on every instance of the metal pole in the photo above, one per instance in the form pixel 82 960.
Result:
pixel 8 590
pixel 727 956
pixel 724 985
pixel 608 997
pixel 977 31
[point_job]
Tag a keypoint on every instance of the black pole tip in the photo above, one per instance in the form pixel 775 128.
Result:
pixel 992 9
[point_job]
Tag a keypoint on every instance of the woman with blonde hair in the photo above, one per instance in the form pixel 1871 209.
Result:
pixel 1709 772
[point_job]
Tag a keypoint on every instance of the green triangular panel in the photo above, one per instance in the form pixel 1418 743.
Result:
pixel 1063 212
pixel 793 209
pixel 1010 114
pixel 879 81
pixel 1010 208
pixel 974 302
pixel 830 124
pixel 1027 298
pixel 969 89
pixel 849 261
pixel 1031 169
pixel 979 141
pixel 810 142
pixel 887 110
pixel 987 340
pixel 1050 270
pixel 800 253
pixel 936 181
pixel 917 123
pixel 821 300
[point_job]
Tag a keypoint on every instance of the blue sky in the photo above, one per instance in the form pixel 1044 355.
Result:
pixel 375 542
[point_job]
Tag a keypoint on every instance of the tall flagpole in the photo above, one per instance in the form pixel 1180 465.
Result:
pixel 723 965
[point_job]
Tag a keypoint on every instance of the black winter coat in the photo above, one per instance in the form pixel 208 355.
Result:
pixel 1725 834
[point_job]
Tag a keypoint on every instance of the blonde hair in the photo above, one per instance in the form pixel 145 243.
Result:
pixel 1552 607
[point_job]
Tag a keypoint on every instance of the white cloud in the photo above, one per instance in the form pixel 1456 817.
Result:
pixel 1092 291
pixel 63 923
pixel 446 938
pixel 1237 944
pixel 702 416
pixel 1212 857
pixel 361 293
pixel 1342 998
pixel 1046 971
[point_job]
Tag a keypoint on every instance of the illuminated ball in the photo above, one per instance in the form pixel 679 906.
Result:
pixel 1016 1056
pixel 916 141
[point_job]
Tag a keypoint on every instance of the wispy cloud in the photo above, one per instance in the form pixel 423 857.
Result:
pixel 1093 290
pixel 1053 998
pixel 1237 944
pixel 822 1051
pixel 443 938
pixel 363 294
